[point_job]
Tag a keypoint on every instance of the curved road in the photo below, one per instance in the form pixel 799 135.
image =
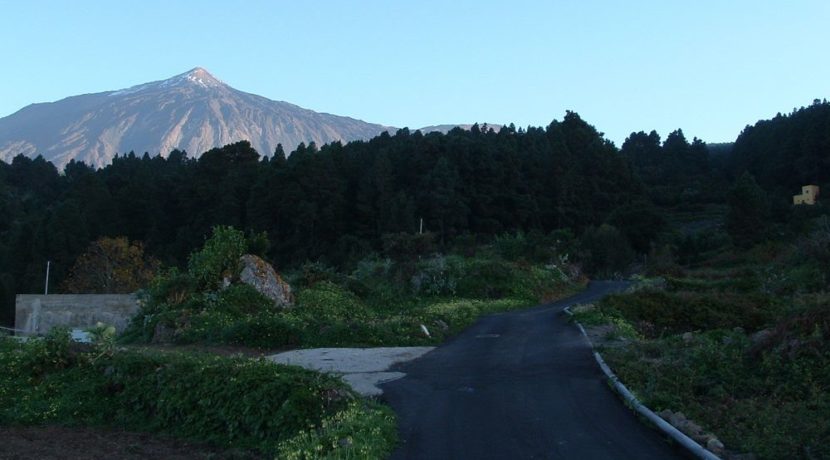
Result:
pixel 518 385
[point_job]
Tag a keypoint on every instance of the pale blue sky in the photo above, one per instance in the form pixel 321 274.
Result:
pixel 708 67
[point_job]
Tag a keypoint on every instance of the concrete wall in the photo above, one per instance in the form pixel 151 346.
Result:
pixel 36 314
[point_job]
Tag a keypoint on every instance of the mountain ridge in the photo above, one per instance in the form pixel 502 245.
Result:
pixel 193 111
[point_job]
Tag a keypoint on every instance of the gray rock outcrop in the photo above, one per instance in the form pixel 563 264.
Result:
pixel 260 275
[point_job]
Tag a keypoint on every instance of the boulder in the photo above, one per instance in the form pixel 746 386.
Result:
pixel 761 337
pixel 260 275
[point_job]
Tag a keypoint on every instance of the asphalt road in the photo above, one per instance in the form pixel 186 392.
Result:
pixel 518 385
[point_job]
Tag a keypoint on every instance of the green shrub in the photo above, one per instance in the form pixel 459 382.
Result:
pixel 373 267
pixel 199 326
pixel 240 299
pixel 363 430
pixel 326 300
pixel 674 374
pixel 485 279
pixel 656 313
pixel 51 354
pixel 236 402
pixel 772 402
pixel 435 276
pixel 257 243
pixel 541 284
pixel 768 394
pixel 381 303
pixel 456 314
pixel 239 402
pixel 264 330
pixel 169 289
pixel 194 311
pixel 219 257
pixel 312 273
pixel 745 281
pixel 515 246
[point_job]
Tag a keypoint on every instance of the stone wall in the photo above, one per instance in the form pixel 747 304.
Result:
pixel 36 314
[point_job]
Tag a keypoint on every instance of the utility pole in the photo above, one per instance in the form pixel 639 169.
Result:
pixel 46 289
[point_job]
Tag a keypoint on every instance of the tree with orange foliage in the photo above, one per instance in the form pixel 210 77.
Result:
pixel 111 266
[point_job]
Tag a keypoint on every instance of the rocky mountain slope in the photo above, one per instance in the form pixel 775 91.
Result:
pixel 193 111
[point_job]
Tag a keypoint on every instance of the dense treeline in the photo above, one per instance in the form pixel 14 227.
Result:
pixel 781 154
pixel 339 202
pixel 675 171
pixel 334 203
pixel 787 151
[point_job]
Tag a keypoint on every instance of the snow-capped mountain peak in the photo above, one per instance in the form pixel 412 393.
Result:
pixel 198 76
pixel 192 111
pixel 195 77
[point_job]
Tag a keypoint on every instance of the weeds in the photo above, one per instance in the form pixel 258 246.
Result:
pixel 241 403
pixel 698 351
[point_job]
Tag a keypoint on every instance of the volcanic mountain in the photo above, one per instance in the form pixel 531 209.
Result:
pixel 193 111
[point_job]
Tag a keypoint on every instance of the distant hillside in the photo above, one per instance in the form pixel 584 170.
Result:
pixel 193 111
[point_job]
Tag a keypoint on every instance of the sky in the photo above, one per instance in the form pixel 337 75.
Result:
pixel 707 67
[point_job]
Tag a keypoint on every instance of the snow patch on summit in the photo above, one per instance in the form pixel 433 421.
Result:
pixel 197 76
pixel 201 77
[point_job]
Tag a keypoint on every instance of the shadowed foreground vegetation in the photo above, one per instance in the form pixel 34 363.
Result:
pixel 735 335
pixel 256 406
pixel 739 343
pixel 251 405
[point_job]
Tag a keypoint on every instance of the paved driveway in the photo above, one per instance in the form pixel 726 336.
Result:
pixel 518 385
